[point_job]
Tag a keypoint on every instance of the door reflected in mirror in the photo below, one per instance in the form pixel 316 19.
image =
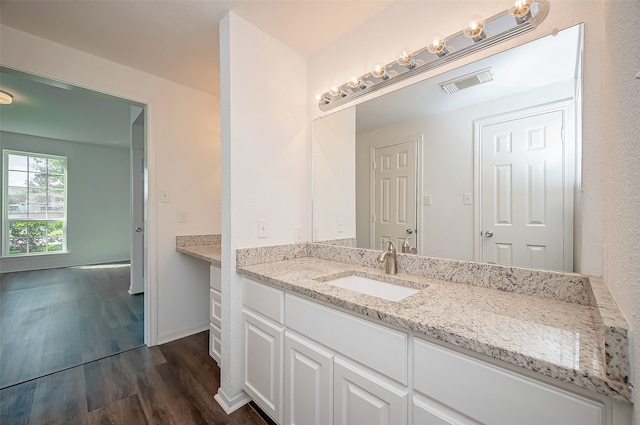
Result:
pixel 480 163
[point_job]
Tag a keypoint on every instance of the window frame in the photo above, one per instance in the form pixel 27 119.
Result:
pixel 6 221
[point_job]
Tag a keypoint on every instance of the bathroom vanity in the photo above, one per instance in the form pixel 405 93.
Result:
pixel 476 343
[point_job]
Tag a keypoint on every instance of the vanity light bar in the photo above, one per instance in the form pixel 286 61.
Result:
pixel 523 16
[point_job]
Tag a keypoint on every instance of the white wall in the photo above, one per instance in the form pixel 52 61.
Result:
pixel 622 174
pixel 182 157
pixel 97 202
pixel 445 228
pixel 334 180
pixel 414 22
pixel 265 146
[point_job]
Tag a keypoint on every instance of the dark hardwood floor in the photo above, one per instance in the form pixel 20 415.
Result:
pixel 55 319
pixel 173 383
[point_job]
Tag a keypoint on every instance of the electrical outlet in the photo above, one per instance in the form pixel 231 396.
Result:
pixel 263 228
pixel 182 216
pixel 164 195
pixel 340 226
pixel 298 234
pixel 466 198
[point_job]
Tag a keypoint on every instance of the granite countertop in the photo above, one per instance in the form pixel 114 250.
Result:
pixel 557 339
pixel 204 247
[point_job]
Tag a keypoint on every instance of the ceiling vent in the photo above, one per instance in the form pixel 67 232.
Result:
pixel 467 81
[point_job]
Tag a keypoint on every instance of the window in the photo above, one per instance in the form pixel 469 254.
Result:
pixel 34 193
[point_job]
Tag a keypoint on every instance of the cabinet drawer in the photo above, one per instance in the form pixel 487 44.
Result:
pixel 215 308
pixel 215 278
pixel 263 299
pixel 380 348
pixel 215 347
pixel 492 395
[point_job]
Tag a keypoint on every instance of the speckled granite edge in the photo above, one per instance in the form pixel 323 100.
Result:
pixel 347 242
pixel 613 329
pixel 268 254
pixel 565 287
pixel 194 240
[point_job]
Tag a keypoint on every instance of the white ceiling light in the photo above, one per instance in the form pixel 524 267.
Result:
pixel 5 98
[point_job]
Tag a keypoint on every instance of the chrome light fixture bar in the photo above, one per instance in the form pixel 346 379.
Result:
pixel 522 17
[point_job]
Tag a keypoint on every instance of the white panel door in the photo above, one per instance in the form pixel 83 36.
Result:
pixel 308 378
pixel 394 194
pixel 359 397
pixel 523 192
pixel 262 363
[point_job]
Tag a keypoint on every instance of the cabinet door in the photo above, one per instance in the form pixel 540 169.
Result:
pixel 215 347
pixel 262 363
pixel 308 378
pixel 360 397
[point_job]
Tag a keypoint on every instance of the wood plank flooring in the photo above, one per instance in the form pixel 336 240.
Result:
pixel 173 383
pixel 58 318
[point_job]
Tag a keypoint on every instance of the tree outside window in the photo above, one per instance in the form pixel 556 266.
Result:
pixel 34 219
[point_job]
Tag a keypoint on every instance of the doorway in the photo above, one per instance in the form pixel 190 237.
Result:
pixel 524 213
pixel 394 187
pixel 78 305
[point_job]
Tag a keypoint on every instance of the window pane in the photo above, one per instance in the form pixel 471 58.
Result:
pixel 55 228
pixel 37 236
pixel 17 245
pixel 55 204
pixel 37 180
pixel 55 244
pixel 16 202
pixel 56 166
pixel 18 229
pixel 37 164
pixel 17 162
pixel 17 178
pixel 56 181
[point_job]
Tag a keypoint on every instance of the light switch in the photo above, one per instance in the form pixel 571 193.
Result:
pixel 427 200
pixel 466 198
pixel 182 216
pixel 340 225
pixel 263 228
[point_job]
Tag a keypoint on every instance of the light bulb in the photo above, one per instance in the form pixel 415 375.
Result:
pixel 407 59
pixel 5 98
pixel 380 71
pixel 521 10
pixel 337 91
pixel 475 30
pixel 438 46
pixel 356 82
pixel 318 97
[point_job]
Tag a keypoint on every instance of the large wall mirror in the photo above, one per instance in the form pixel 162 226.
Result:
pixel 481 163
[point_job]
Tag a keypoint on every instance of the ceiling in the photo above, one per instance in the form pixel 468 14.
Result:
pixel 178 39
pixel 174 39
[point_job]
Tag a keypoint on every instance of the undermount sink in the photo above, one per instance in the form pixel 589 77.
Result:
pixel 376 288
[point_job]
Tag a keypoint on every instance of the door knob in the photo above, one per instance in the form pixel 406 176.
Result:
pixel 138 229
pixel 488 233
pixel 410 231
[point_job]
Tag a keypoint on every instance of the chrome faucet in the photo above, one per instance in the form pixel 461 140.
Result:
pixel 389 259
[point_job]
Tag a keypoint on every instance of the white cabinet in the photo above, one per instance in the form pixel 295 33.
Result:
pixel 215 312
pixel 262 362
pixel 308 382
pixel 362 397
pixel 492 395
pixel 309 364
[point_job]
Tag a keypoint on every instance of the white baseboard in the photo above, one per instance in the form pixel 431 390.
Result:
pixel 181 333
pixel 231 405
